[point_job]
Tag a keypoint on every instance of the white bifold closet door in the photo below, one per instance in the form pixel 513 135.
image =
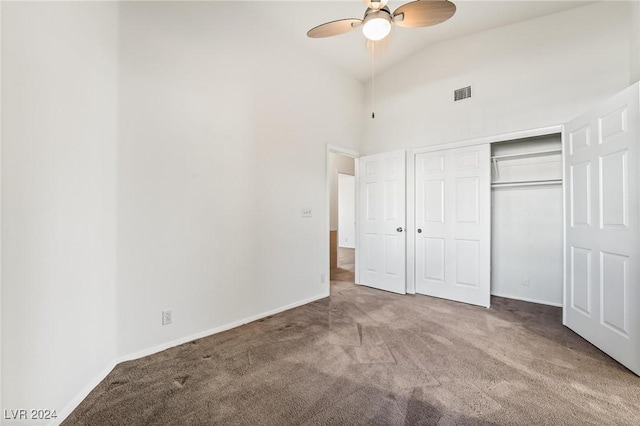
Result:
pixel 382 243
pixel 602 288
pixel 453 224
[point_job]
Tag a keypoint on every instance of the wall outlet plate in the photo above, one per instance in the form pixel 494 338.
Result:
pixel 167 317
pixel 323 278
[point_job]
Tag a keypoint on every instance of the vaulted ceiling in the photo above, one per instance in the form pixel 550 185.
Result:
pixel 350 53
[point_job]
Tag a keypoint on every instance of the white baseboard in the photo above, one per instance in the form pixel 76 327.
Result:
pixel 146 352
pixel 216 330
pixel 526 299
pixel 62 415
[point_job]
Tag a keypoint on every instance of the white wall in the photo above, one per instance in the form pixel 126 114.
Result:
pixel 211 121
pixel 215 120
pixel 527 244
pixel 346 211
pixel 527 75
pixel 59 130
pixel 337 164
pixel 635 41
pixel 146 165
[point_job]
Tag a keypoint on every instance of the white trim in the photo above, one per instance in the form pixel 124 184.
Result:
pixel 526 154
pixel 333 149
pixel 343 151
pixel 159 348
pixel 411 158
pixel 526 299
pixel 1 202
pixel 564 228
pixel 542 131
pixel 62 415
pixel 356 169
pixel 410 214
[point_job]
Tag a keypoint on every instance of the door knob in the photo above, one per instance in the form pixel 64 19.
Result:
pixel 399 229
pixel 419 231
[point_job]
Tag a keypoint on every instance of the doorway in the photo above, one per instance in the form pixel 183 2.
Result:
pixel 342 207
pixel 346 261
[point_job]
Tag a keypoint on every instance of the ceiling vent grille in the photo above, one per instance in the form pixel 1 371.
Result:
pixel 460 94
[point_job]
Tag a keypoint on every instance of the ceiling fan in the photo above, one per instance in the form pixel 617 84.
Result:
pixel 378 19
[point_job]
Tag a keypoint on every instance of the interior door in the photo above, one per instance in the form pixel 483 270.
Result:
pixel 381 242
pixel 602 294
pixel 453 224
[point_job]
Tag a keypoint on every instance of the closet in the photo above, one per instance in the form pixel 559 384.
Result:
pixel 489 220
pixel 527 219
pixel 548 216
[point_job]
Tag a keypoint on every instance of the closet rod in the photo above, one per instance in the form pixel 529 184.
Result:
pixel 527 183
pixel 527 154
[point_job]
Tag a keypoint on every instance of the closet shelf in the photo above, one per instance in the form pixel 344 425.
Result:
pixel 504 184
pixel 527 154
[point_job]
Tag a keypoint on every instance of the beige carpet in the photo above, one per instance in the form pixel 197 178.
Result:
pixel 369 357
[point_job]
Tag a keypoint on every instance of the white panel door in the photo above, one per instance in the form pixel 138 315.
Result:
pixel 453 224
pixel 602 297
pixel 381 243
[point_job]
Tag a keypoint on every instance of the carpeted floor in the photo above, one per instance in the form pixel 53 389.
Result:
pixel 364 356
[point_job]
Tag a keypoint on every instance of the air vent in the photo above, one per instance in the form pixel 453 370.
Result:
pixel 460 94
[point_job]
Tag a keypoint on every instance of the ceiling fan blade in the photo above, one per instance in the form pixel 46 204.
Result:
pixel 423 13
pixel 334 28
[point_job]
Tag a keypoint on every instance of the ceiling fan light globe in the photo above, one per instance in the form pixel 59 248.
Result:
pixel 376 28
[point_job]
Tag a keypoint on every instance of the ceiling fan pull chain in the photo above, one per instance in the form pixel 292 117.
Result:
pixel 373 81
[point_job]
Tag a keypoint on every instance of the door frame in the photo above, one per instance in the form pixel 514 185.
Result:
pixel 1 205
pixel 411 181
pixel 334 149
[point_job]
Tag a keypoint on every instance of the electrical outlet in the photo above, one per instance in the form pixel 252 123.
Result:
pixel 526 282
pixel 306 212
pixel 167 318
pixel 323 278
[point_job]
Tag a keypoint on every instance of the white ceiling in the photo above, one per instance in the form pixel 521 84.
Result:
pixel 349 51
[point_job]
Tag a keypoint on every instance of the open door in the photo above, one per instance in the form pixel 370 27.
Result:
pixel 602 296
pixel 453 224
pixel 381 217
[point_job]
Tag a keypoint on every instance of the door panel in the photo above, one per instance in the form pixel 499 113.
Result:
pixel 453 224
pixel 382 204
pixel 602 227
pixel 613 201
pixel 581 194
pixel 434 259
pixel 467 200
pixel 581 280
pixel 467 256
